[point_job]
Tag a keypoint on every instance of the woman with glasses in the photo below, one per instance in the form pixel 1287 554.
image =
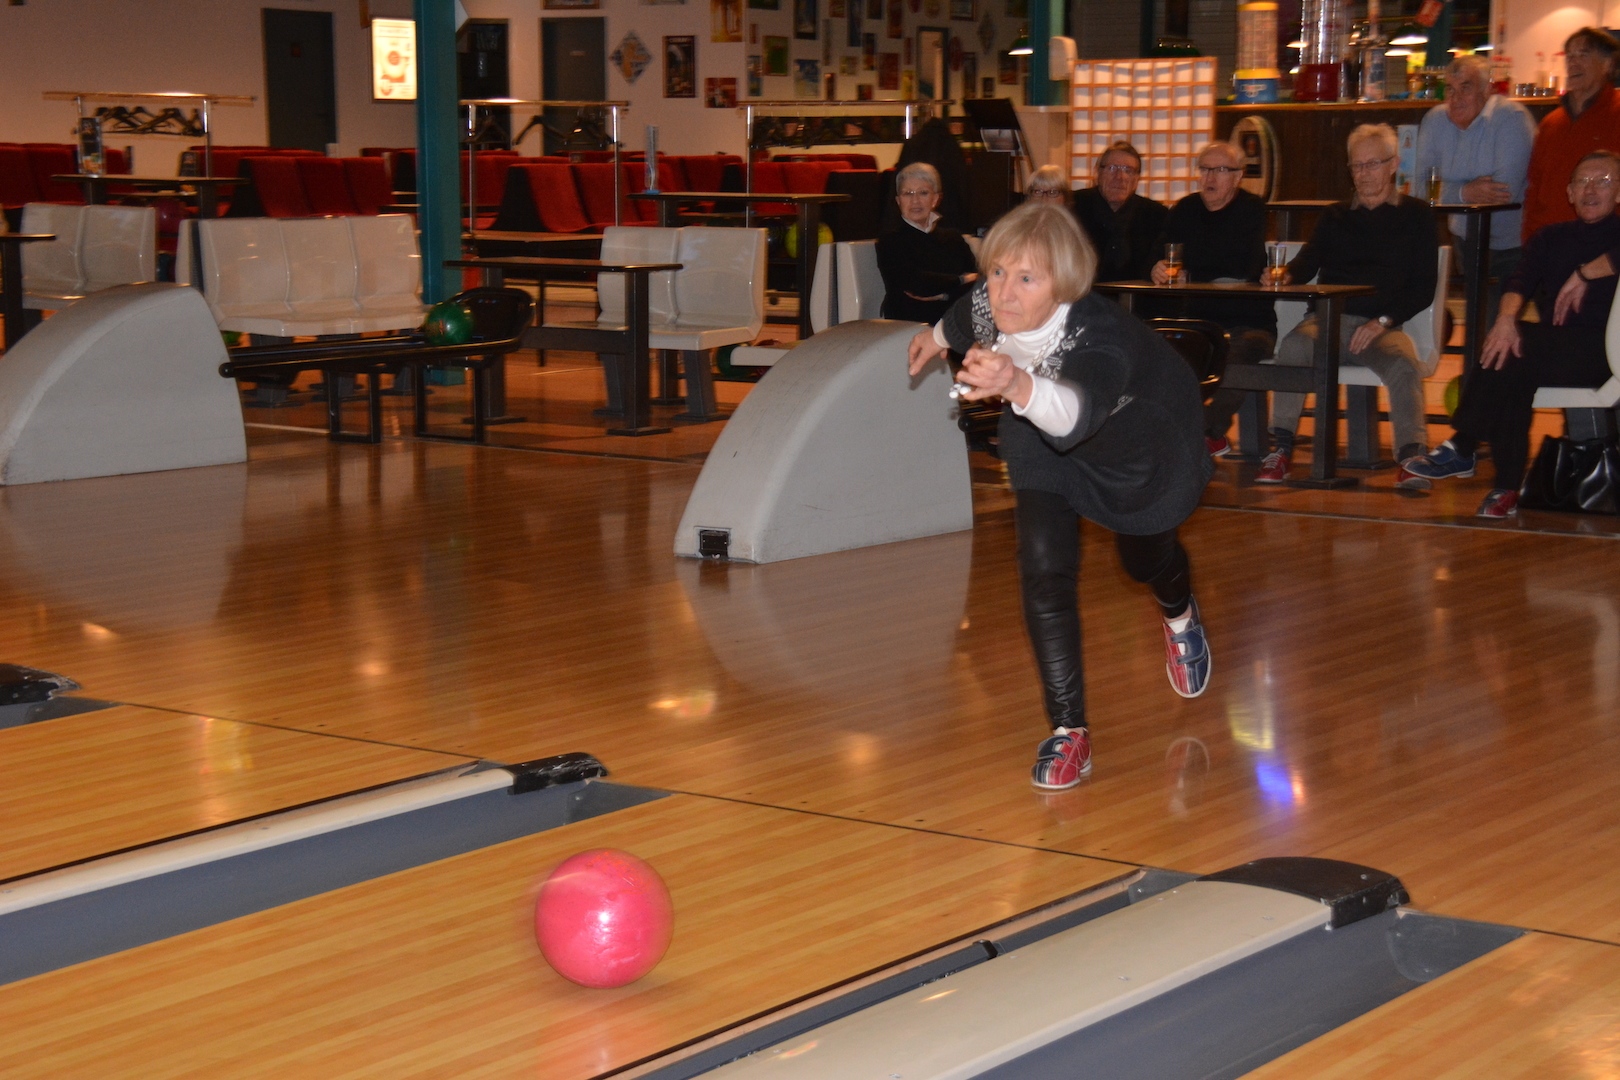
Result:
pixel 1048 183
pixel 1380 238
pixel 1103 424
pixel 925 266
pixel 1123 227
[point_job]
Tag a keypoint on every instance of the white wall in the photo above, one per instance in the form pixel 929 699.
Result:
pixel 1540 26
pixel 211 46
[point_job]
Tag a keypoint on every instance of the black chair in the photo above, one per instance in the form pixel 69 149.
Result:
pixel 1203 344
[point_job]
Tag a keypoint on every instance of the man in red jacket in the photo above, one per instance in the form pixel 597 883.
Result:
pixel 1588 120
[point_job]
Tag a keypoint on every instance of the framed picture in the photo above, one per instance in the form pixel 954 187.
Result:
pixel 564 5
pixel 897 18
pixel 849 65
pixel 888 71
pixel 835 8
pixel 963 9
pixel 776 55
pixel 805 20
pixel 725 20
pixel 868 52
pixel 933 62
pixel 970 75
pixel 863 91
pixel 756 76
pixel 908 84
pixel 680 66
pixel 720 93
pixel 765 5
pixel 1008 68
pixel 631 57
pixel 987 86
pixel 826 43
pixel 806 78
pixel 874 9
pixel 853 24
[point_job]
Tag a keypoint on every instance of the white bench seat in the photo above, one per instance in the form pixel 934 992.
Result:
pixel 96 248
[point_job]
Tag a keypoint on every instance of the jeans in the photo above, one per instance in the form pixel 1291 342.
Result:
pixel 1391 356
pixel 1049 577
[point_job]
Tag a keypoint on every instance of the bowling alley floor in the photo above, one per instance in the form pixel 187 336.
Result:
pixel 849 738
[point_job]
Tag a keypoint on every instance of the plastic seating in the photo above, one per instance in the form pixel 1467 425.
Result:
pixel 326 190
pixel 706 172
pixel 859 296
pixel 624 243
pixel 322 270
pixel 719 300
pixel 389 286
pixel 369 189
pixel 52 272
pixel 96 248
pixel 1590 413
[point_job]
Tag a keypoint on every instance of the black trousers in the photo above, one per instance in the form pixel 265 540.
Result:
pixel 1248 346
pixel 1497 405
pixel 1049 577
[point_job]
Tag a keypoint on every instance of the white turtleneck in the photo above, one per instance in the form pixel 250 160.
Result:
pixel 1053 406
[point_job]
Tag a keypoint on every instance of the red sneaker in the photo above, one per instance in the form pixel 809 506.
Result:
pixel 1500 503
pixel 1062 760
pixel 1217 445
pixel 1273 469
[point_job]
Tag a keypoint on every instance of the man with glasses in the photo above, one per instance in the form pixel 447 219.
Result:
pixel 1222 231
pixel 1381 238
pixel 1122 225
pixel 1479 143
pixel 1588 120
pixel 1569 271
pixel 925 265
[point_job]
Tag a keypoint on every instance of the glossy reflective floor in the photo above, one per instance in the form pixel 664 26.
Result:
pixel 1443 703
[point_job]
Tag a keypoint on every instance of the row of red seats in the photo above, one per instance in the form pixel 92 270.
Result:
pixel 285 185
pixel 227 160
pixel 26 170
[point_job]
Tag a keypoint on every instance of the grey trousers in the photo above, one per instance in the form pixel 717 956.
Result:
pixel 1392 357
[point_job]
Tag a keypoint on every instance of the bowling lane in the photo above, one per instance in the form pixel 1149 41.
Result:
pixel 1538 1007
pixel 434 971
pixel 84 785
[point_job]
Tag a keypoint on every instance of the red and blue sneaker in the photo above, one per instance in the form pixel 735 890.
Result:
pixel 1186 653
pixel 1063 759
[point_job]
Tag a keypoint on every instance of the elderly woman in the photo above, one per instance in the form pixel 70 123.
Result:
pixel 925 265
pixel 1105 424
pixel 1048 182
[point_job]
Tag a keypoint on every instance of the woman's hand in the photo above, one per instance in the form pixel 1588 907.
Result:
pixel 992 374
pixel 923 350
pixel 1502 342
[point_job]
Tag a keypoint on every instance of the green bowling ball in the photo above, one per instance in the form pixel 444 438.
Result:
pixel 1453 393
pixel 448 323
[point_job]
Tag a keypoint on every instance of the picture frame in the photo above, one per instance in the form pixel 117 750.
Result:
pixel 806 21
pixel 776 54
pixel 888 71
pixel 720 93
pixel 963 11
pixel 725 21
pixel 570 5
pixel 806 78
pixel 680 66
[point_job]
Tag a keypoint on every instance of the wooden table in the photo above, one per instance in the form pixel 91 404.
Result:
pixel 1321 378
pixel 809 221
pixel 205 189
pixel 624 348
pixel 1477 235
pixel 11 281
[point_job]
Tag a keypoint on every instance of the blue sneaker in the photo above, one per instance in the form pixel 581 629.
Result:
pixel 1441 463
pixel 1064 757
pixel 1186 655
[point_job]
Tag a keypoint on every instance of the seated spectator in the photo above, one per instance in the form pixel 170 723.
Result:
pixel 1569 271
pixel 1048 182
pixel 1122 226
pixel 925 266
pixel 1222 231
pixel 1480 144
pixel 1382 238
pixel 1588 120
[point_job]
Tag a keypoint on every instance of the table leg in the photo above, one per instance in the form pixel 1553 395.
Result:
pixel 492 375
pixel 636 374
pixel 666 213
pixel 1324 458
pixel 809 227
pixel 1477 237
pixel 11 292
pixel 207 201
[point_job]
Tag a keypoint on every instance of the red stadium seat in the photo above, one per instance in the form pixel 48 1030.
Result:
pixel 808 177
pixel 704 172
pixel 17 185
pixel 556 198
pixel 595 181
pixel 325 187
pixel 55 159
pixel 276 185
pixel 368 184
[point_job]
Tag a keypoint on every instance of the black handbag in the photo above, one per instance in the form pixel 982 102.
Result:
pixel 1578 476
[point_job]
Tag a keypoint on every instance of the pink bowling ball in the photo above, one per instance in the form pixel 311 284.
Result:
pixel 604 918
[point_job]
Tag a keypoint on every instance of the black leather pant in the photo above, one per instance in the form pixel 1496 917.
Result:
pixel 1049 575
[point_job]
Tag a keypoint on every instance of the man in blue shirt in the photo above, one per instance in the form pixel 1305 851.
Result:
pixel 1480 143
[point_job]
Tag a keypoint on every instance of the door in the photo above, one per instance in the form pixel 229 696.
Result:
pixel 573 67
pixel 299 85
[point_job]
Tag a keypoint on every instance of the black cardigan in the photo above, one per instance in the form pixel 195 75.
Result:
pixel 1127 240
pixel 1135 461
pixel 925 264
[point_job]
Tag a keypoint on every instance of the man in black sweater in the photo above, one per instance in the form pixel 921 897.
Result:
pixel 1568 269
pixel 925 265
pixel 1222 231
pixel 1121 225
pixel 1380 238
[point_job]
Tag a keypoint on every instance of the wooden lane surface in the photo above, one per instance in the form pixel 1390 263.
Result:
pixel 1538 1008
pixel 85 785
pixel 434 971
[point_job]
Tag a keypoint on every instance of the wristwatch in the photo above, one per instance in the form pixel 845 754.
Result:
pixel 1385 321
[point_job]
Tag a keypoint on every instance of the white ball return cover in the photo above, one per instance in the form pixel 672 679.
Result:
pixel 836 448
pixel 125 380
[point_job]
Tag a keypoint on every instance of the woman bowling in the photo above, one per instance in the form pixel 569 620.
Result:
pixel 1104 424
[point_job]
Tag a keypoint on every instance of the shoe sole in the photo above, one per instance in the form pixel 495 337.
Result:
pixel 1222 452
pixel 1271 480
pixel 1413 482
pixel 1038 786
pixel 1446 476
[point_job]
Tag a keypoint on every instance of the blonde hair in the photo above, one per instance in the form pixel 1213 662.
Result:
pixel 1048 236
pixel 1381 133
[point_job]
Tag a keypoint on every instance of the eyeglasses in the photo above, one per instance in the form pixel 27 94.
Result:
pixel 919 194
pixel 1218 170
pixel 1120 170
pixel 1365 166
pixel 1045 193
pixel 1605 180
